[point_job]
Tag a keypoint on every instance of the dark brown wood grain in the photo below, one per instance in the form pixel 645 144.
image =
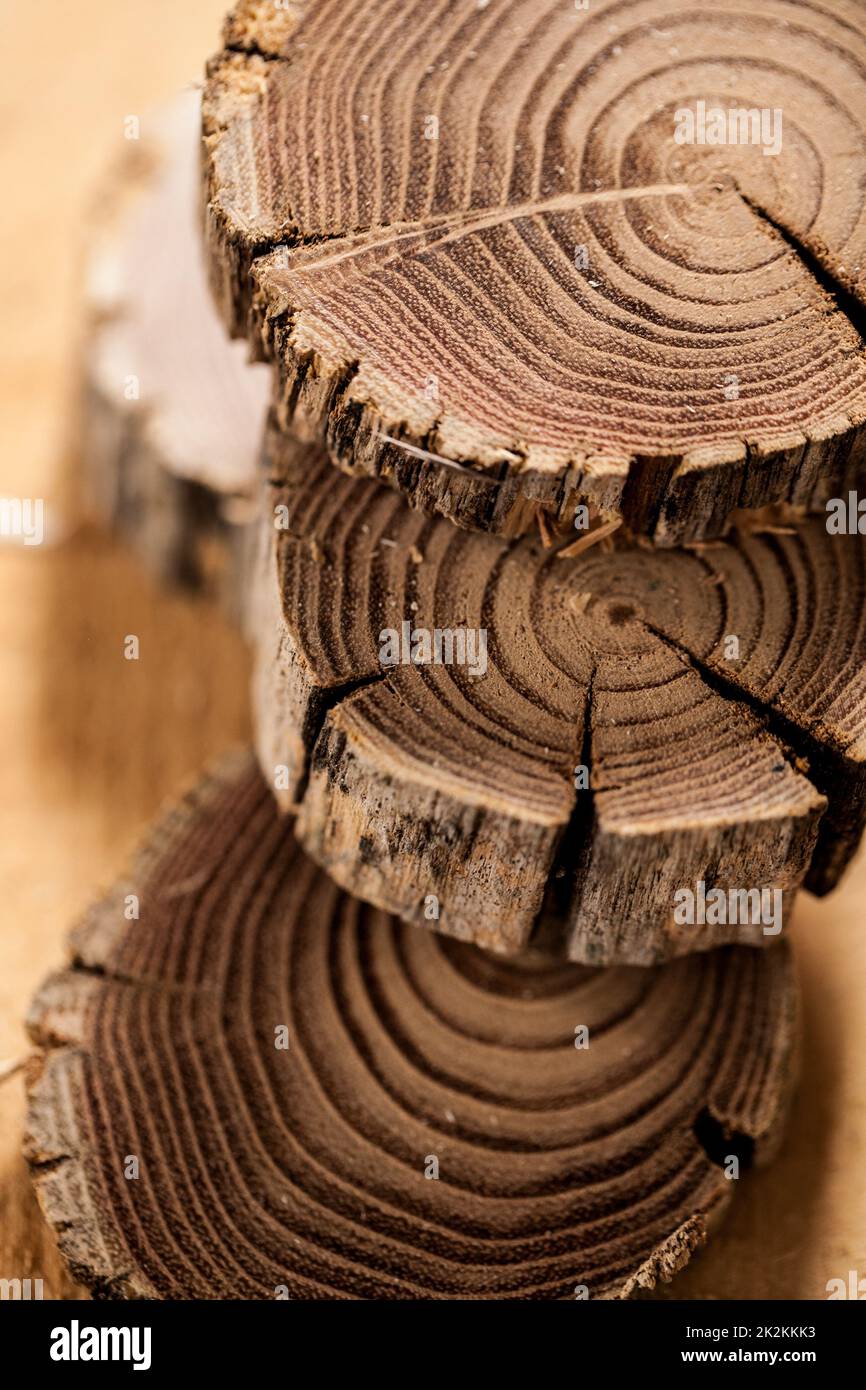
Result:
pixel 268 1171
pixel 714 697
pixel 489 273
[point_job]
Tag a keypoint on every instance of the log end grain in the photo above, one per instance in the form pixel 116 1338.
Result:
pixel 261 1088
pixel 473 732
pixel 523 295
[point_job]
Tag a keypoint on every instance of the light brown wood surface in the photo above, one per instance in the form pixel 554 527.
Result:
pixel 93 744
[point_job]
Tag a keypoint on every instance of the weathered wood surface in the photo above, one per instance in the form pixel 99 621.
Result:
pixel 489 273
pixel 639 720
pixel 243 1090
pixel 171 412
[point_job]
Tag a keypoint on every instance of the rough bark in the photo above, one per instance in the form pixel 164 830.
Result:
pixel 490 275
pixel 299 1171
pixel 171 412
pixel 715 696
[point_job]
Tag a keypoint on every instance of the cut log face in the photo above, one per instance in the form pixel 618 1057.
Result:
pixel 172 413
pixel 517 257
pixel 262 1088
pixel 474 732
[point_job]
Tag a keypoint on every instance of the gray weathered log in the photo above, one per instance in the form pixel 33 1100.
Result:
pixel 171 413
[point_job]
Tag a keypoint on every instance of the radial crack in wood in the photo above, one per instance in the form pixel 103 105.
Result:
pixel 507 258
pixel 475 733
pixel 171 412
pixel 262 1088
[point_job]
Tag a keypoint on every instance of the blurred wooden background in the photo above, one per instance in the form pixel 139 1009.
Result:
pixel 92 743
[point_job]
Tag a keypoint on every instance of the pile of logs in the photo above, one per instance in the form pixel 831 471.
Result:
pixel 471 980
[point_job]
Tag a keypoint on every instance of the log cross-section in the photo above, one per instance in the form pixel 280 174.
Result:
pixel 478 733
pixel 521 257
pixel 261 1088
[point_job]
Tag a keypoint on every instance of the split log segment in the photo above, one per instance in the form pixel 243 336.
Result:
pixel 172 413
pixel 491 274
pixel 593 734
pixel 181 1152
